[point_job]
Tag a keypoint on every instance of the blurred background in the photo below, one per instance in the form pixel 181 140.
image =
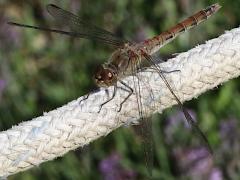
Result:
pixel 41 71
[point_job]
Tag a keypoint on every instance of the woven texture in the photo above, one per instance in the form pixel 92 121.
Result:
pixel 77 124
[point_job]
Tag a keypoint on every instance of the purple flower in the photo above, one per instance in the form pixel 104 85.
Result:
pixel 111 169
pixel 228 129
pixel 197 163
pixel 9 35
pixel 175 120
pixel 216 174
pixel 229 138
pixel 2 85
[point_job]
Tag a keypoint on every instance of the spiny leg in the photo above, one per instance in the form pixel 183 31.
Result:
pixel 113 95
pixel 129 90
pixel 84 98
pixel 87 96
pixel 168 72
pixel 150 69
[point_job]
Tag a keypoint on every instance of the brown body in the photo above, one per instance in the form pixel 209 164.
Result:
pixel 125 60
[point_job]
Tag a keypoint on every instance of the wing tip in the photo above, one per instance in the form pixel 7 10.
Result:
pixel 13 23
pixel 10 23
pixel 51 6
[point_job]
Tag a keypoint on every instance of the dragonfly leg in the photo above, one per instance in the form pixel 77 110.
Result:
pixel 84 98
pixel 87 96
pixel 113 95
pixel 149 69
pixel 129 90
pixel 167 72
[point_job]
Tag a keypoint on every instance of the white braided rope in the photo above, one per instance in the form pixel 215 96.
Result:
pixel 71 126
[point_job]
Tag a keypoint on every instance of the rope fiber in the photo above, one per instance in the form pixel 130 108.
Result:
pixel 78 123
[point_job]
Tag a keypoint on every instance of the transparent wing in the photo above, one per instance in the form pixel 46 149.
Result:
pixel 145 128
pixel 188 117
pixel 144 132
pixel 82 28
pixel 145 125
pixel 78 27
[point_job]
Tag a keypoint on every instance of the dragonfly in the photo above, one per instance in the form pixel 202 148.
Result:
pixel 128 57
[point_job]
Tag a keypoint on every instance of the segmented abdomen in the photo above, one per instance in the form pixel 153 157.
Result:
pixel 154 44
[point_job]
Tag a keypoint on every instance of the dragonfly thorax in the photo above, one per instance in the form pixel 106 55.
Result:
pixel 106 75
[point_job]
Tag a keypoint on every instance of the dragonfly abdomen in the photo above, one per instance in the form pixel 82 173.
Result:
pixel 154 44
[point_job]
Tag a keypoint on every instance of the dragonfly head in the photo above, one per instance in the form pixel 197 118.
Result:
pixel 105 76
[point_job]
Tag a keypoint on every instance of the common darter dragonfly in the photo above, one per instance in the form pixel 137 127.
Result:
pixel 128 57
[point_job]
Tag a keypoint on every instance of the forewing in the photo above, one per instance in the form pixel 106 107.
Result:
pixel 82 28
pixel 78 27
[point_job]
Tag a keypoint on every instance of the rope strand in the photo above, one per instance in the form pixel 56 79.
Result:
pixel 74 125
